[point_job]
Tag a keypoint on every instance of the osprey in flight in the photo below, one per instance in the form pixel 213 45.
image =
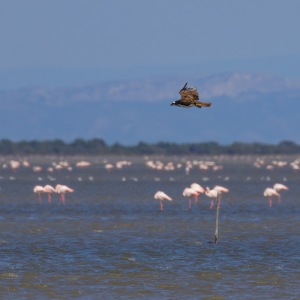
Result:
pixel 189 98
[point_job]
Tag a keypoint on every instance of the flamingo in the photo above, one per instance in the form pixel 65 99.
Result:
pixel 188 192
pixel 49 190
pixel 212 194
pixel 198 189
pixel 161 196
pixel 278 187
pixel 61 190
pixel 221 189
pixel 269 193
pixel 38 189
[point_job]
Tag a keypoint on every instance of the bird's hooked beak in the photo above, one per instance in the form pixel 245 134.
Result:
pixel 173 103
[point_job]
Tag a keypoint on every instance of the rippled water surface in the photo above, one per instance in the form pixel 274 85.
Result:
pixel 111 241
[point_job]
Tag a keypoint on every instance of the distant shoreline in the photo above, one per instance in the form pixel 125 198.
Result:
pixel 100 147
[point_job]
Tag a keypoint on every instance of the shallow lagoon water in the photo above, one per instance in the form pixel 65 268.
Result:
pixel 111 241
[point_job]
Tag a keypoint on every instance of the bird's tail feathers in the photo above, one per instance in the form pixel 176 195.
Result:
pixel 184 87
pixel 200 104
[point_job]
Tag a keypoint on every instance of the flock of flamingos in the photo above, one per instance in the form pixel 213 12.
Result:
pixel 191 193
pixel 60 189
pixel 195 190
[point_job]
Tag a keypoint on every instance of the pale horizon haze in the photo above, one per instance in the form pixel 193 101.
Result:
pixel 110 69
pixel 65 42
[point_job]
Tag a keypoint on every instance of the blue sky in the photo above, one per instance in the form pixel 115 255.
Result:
pixel 76 41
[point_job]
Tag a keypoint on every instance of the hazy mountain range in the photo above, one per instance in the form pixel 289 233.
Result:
pixel 246 107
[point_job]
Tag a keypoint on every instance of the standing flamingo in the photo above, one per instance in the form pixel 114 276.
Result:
pixel 198 189
pixel 62 190
pixel 220 190
pixel 212 194
pixel 49 190
pixel 278 187
pixel 269 193
pixel 188 192
pixel 38 189
pixel 161 196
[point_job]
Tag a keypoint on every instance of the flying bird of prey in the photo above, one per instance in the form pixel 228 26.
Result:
pixel 189 98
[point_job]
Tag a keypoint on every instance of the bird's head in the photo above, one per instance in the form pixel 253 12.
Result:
pixel 174 103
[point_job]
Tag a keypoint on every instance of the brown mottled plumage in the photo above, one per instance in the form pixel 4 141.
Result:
pixel 189 98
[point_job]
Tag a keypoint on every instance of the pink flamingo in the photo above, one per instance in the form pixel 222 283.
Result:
pixel 49 190
pixel 212 194
pixel 62 190
pixel 161 196
pixel 38 189
pixel 221 189
pixel 278 187
pixel 269 193
pixel 198 189
pixel 188 192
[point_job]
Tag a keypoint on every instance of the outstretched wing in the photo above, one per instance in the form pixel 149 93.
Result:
pixel 188 95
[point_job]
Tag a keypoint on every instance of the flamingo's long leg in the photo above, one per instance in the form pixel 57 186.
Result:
pixel 270 202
